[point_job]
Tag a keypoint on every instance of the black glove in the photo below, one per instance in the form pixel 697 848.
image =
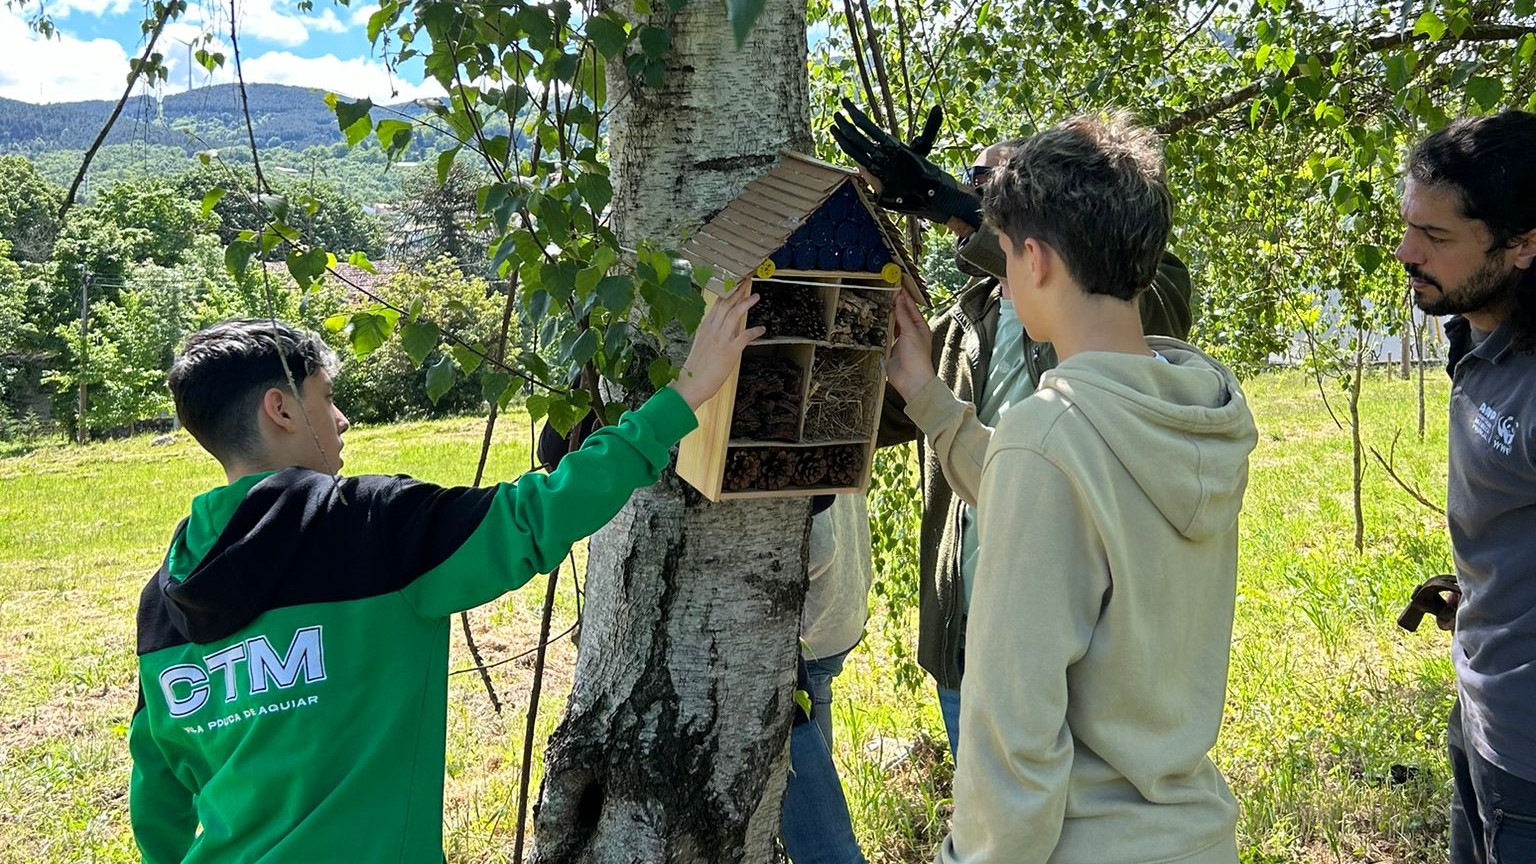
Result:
pixel 1438 597
pixel 909 183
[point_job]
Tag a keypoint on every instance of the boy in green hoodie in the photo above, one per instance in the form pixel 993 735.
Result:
pixel 293 647
pixel 1101 616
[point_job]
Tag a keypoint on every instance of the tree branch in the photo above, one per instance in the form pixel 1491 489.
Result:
pixel 1476 33
pixel 1387 465
pixel 858 56
pixel 164 14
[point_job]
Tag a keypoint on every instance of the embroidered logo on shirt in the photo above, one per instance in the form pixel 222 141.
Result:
pixel 1499 430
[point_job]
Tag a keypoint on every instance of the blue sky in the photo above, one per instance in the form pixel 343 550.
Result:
pixel 327 47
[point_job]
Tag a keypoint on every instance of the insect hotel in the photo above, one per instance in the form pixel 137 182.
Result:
pixel 799 415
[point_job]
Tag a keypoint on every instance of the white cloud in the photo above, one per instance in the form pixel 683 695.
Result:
pixel 64 8
pixel 96 68
pixel 329 23
pixel 361 14
pixel 354 77
pixel 76 69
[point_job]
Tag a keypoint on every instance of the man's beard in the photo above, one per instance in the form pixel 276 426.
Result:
pixel 1491 286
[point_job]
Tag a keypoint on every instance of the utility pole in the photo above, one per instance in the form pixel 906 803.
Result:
pixel 82 432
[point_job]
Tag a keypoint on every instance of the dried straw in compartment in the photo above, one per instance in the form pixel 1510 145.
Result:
pixel 842 398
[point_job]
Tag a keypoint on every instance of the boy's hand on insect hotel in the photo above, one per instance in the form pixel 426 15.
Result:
pixel 911 363
pixel 717 346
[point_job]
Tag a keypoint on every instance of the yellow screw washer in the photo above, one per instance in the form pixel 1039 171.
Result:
pixel 766 269
pixel 891 273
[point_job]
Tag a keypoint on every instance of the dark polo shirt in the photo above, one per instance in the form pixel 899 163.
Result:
pixel 1491 503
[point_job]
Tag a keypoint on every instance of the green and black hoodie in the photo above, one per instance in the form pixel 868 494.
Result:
pixel 293 648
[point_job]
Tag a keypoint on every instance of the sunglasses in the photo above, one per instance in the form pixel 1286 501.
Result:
pixel 976 175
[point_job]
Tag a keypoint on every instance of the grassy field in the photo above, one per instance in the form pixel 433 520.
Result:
pixel 1333 733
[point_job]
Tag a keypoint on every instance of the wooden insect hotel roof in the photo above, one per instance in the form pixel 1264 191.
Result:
pixel 777 215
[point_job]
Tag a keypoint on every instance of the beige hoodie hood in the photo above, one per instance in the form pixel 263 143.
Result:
pixel 1182 429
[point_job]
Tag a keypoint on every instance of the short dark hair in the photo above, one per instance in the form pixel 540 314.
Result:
pixel 223 371
pixel 1487 162
pixel 1095 190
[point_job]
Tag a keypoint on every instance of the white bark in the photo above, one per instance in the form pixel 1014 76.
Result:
pixel 673 744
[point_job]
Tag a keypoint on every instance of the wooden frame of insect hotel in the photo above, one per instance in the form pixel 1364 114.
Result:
pixel 799 414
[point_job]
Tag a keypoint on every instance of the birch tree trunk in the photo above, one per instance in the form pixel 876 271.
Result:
pixel 674 742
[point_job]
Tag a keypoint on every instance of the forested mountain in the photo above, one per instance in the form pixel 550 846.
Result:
pixel 201 119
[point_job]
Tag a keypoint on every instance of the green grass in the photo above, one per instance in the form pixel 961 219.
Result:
pixel 1325 696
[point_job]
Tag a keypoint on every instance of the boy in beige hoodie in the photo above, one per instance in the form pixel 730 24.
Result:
pixel 1102 610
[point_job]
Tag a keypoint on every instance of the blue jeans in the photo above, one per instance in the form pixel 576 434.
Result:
pixel 949 706
pixel 1493 812
pixel 816 826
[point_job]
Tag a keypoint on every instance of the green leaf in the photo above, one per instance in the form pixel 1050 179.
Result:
pixel 743 15
pixel 209 60
pixel 493 385
pixel 558 279
pixel 418 340
pixel 379 19
pixel 616 340
pixel 367 331
pixel 596 190
pixel 538 406
pixel 616 292
pixel 1485 91
pixel 1429 24
pixel 440 378
pixel 360 261
pixel 394 136
pixel 1525 7
pixel 237 257
pixel 803 699
pixel 469 357
pixel 566 412
pixel 211 200
pixel 587 279
pixel 607 34
pixel 563 67
pixel 336 323
pixel 1399 70
pixel 538 306
pixel 585 348
pixel 655 41
pixel 353 119
pixel 1465 71
pixel 445 164
pixel 661 372
pixel 307 268
pixel 1329 113
pixel 1369 258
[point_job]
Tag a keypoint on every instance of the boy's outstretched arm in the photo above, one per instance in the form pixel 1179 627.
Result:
pixel 531 524
pixel 957 437
pixel 159 806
